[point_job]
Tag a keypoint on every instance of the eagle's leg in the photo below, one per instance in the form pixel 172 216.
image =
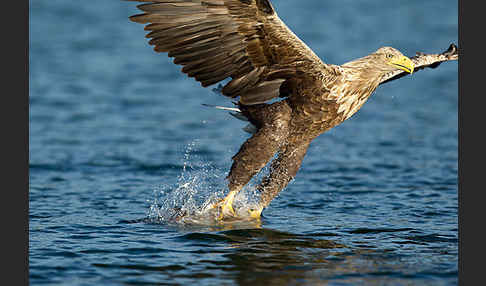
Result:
pixel 272 121
pixel 282 171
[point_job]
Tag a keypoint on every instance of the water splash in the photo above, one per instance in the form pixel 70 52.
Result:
pixel 198 187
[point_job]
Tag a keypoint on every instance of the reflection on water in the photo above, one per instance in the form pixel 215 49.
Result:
pixel 266 256
pixel 251 255
pixel 248 254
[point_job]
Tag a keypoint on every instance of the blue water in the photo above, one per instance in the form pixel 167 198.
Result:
pixel 118 134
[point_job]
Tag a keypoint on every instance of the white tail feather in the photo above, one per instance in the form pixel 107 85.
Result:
pixel 223 107
pixel 250 128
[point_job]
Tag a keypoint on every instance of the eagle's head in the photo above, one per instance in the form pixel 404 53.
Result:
pixel 382 61
pixel 389 59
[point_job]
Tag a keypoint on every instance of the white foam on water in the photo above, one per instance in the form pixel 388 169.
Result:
pixel 198 187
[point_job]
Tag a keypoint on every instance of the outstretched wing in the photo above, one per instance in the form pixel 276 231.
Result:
pixel 422 61
pixel 242 39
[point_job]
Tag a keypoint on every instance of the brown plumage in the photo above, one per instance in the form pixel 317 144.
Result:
pixel 246 41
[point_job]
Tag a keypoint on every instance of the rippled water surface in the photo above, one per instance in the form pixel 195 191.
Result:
pixel 118 136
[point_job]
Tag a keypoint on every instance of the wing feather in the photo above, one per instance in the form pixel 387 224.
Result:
pixel 239 39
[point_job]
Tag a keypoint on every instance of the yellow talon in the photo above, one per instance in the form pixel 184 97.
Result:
pixel 226 206
pixel 255 213
pixel 226 210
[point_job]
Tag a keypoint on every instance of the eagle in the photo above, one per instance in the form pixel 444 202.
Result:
pixel 278 84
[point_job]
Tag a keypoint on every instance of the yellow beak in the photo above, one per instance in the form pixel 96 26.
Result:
pixel 403 63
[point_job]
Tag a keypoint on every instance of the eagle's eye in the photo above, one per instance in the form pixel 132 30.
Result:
pixel 389 56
